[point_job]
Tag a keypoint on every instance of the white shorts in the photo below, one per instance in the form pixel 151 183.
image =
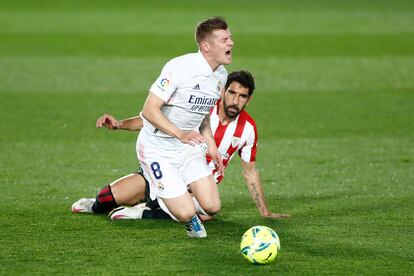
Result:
pixel 170 171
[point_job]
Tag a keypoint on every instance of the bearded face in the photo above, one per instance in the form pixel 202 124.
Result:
pixel 235 99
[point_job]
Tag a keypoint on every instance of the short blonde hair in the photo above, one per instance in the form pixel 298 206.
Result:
pixel 206 27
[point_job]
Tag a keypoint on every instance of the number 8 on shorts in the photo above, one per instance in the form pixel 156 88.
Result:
pixel 156 170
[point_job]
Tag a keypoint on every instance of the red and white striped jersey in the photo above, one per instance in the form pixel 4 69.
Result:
pixel 239 135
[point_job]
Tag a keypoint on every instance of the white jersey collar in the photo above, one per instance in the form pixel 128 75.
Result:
pixel 205 67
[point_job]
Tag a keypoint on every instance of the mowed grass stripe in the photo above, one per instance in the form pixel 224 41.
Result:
pixel 345 170
pixel 335 74
pixel 324 5
pixel 243 21
pixel 248 45
pixel 119 76
pixel 165 5
pixel 70 117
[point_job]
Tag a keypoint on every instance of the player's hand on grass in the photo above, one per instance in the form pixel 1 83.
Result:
pixel 107 121
pixel 269 214
pixel 192 138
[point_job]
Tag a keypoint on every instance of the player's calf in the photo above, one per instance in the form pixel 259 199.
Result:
pixel 105 201
pixel 184 215
pixel 180 208
pixel 207 195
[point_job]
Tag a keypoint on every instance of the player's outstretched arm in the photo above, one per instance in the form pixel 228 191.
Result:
pixel 108 121
pixel 251 176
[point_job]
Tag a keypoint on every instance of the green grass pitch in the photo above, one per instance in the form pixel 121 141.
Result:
pixel 335 111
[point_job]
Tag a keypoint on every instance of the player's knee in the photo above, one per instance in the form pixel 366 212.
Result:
pixel 212 207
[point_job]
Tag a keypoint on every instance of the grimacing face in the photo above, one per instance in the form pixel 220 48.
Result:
pixel 221 43
pixel 235 99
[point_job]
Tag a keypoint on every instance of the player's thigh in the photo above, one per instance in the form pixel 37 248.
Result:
pixel 129 190
pixel 206 192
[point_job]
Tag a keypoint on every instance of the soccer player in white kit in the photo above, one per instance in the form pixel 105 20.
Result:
pixel 234 131
pixel 178 102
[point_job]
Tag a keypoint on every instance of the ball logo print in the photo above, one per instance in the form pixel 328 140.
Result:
pixel 260 245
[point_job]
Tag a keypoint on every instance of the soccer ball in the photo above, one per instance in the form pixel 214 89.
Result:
pixel 259 245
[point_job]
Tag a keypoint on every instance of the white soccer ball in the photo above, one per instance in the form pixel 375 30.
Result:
pixel 260 244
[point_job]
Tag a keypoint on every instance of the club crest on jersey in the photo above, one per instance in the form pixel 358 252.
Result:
pixel 235 141
pixel 219 86
pixel 160 186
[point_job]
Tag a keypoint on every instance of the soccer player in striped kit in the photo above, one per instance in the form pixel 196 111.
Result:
pixel 234 130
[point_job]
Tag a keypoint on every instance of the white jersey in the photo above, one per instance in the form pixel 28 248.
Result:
pixel 239 135
pixel 189 88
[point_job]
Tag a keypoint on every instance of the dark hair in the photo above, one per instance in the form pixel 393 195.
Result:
pixel 206 27
pixel 243 77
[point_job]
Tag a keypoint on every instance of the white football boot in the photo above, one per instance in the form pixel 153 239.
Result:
pixel 195 228
pixel 83 205
pixel 134 212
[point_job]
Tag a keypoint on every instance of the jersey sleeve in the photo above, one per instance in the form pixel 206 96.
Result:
pixel 168 81
pixel 248 152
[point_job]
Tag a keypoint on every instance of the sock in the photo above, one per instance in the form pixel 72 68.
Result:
pixel 155 214
pixel 105 201
pixel 153 204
